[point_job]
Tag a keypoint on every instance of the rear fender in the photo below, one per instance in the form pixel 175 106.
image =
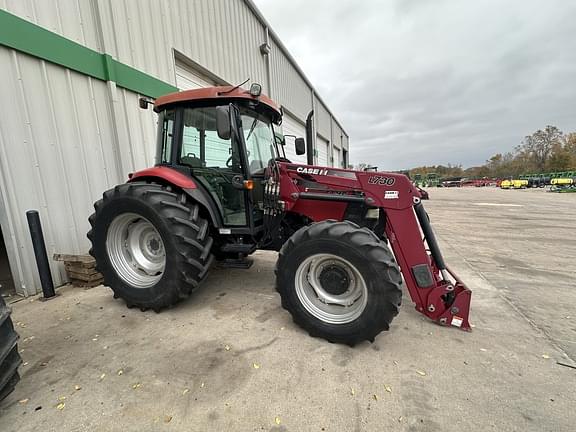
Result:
pixel 165 175
pixel 171 177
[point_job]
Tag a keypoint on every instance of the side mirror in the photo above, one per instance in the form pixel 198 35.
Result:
pixel 143 103
pixel 223 125
pixel 300 146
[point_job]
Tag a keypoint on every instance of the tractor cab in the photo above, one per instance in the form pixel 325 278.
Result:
pixel 223 138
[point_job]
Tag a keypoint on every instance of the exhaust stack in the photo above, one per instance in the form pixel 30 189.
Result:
pixel 309 139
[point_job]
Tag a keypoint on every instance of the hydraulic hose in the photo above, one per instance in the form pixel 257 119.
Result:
pixel 430 238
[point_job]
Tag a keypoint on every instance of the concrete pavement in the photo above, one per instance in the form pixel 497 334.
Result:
pixel 230 358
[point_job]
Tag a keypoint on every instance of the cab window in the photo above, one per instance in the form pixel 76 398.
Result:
pixel 165 136
pixel 259 138
pixel 213 162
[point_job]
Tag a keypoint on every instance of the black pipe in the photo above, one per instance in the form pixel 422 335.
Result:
pixel 309 139
pixel 429 235
pixel 40 253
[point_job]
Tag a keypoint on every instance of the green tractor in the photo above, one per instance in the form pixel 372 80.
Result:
pixel 432 180
pixel 564 184
pixel 418 180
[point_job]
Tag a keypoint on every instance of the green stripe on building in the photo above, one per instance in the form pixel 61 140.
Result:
pixel 28 38
pixel 139 82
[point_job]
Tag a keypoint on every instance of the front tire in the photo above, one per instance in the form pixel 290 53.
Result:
pixel 339 282
pixel 150 244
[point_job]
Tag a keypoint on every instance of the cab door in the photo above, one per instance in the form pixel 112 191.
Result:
pixel 214 162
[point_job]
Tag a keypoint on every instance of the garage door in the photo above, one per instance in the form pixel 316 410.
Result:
pixel 189 79
pixel 337 158
pixel 322 147
pixel 291 126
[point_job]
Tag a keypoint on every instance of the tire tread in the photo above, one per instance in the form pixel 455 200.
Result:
pixel 10 359
pixel 381 260
pixel 189 233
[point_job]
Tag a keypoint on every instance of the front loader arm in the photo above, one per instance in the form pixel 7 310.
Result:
pixel 321 193
pixel 437 292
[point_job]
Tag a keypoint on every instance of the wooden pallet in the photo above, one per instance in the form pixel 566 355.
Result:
pixel 84 284
pixel 81 270
pixel 87 259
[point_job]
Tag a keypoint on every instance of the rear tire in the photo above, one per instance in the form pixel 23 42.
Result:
pixel 150 244
pixel 339 282
pixel 9 357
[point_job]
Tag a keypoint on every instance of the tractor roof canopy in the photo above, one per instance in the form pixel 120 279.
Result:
pixel 220 96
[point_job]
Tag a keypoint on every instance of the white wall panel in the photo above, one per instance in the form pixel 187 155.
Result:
pixel 222 36
pixel 62 155
pixel 57 157
pixel 289 88
pixel 74 20
pixel 323 119
pixel 337 135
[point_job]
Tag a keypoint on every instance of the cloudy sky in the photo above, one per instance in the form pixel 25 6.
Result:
pixel 418 82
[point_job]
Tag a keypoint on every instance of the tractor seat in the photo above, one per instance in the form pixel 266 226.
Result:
pixel 191 161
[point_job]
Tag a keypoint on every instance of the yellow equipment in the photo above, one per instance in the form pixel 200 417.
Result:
pixel 562 181
pixel 513 184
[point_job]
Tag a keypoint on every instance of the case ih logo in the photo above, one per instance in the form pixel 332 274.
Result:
pixel 315 171
pixel 381 180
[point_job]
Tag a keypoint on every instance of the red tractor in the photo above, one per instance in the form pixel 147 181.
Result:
pixel 222 188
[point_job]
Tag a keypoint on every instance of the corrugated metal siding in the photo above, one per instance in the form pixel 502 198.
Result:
pixel 288 87
pixel 137 132
pixel 323 119
pixel 222 36
pixel 63 153
pixel 134 36
pixel 57 156
pixel 337 135
pixel 72 19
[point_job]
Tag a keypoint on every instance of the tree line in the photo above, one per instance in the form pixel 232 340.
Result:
pixel 546 150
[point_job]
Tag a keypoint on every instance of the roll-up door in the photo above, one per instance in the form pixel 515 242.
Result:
pixel 189 79
pixel 291 126
pixel 322 147
pixel 337 158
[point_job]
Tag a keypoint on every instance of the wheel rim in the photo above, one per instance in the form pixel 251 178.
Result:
pixel 136 250
pixel 331 288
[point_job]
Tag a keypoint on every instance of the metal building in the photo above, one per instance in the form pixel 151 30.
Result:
pixel 71 76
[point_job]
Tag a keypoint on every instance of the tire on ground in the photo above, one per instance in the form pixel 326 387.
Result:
pixel 184 233
pixel 9 357
pixel 370 256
